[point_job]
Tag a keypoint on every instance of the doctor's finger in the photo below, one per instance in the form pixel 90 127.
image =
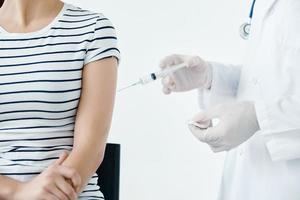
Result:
pixel 202 118
pixel 200 134
pixel 195 61
pixel 208 135
pixel 219 148
pixel 215 149
pixel 211 113
pixel 166 90
pixel 171 60
pixel 169 82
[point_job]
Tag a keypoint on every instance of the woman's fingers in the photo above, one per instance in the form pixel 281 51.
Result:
pixel 56 182
pixel 71 174
pixel 61 158
pixel 49 196
pixel 68 172
pixel 66 188
pixel 58 193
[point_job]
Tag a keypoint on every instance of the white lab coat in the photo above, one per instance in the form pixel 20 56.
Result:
pixel 267 166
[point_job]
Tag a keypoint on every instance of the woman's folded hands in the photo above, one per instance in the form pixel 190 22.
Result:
pixel 57 182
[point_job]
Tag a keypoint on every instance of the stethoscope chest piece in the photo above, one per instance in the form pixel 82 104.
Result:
pixel 245 30
pixel 245 27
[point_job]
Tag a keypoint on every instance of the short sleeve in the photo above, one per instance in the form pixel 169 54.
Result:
pixel 103 43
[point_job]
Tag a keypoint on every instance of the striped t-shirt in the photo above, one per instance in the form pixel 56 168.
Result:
pixel 40 87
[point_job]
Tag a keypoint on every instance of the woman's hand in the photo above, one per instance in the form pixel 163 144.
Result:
pixel 57 182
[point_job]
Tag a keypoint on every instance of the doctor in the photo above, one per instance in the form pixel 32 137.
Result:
pixel 257 104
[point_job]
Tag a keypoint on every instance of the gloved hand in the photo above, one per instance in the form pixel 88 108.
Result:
pixel 197 74
pixel 237 123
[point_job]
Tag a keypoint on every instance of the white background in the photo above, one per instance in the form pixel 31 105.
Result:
pixel 161 160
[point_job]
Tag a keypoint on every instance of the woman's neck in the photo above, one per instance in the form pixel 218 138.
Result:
pixel 23 12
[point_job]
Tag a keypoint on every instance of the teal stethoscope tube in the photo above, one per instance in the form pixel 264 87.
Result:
pixel 252 9
pixel 245 28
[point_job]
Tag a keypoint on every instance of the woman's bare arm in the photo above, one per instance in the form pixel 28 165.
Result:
pixel 7 187
pixel 93 117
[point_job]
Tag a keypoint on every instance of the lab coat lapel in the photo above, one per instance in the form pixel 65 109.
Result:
pixel 265 7
pixel 268 5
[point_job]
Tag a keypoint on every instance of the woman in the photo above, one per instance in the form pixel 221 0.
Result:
pixel 58 68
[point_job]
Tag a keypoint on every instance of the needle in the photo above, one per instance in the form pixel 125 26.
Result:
pixel 129 86
pixel 155 76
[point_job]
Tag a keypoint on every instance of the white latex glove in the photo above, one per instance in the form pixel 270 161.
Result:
pixel 197 74
pixel 237 123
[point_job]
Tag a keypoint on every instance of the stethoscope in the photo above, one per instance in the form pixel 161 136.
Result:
pixel 245 27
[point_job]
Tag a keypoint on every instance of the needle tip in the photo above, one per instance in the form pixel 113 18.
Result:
pixel 124 88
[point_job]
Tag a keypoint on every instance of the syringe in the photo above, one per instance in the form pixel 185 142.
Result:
pixel 155 76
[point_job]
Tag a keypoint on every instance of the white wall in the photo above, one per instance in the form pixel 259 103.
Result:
pixel 161 159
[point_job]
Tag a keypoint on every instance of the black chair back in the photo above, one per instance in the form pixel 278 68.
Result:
pixel 109 172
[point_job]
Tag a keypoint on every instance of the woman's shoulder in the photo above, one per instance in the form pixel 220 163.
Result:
pixel 86 19
pixel 98 31
pixel 79 12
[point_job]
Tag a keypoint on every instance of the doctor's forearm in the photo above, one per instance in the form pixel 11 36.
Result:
pixel 225 78
pixel 225 82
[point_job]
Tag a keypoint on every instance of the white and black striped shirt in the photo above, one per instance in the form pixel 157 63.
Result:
pixel 40 87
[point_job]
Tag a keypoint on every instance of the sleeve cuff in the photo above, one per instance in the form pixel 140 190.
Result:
pixel 284 146
pixel 262 115
pixel 102 55
pixel 223 88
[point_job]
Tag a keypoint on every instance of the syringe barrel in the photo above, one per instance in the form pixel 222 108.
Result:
pixel 169 70
pixel 161 74
pixel 148 79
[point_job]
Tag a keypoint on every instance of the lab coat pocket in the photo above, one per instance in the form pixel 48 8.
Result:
pixel 291 24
